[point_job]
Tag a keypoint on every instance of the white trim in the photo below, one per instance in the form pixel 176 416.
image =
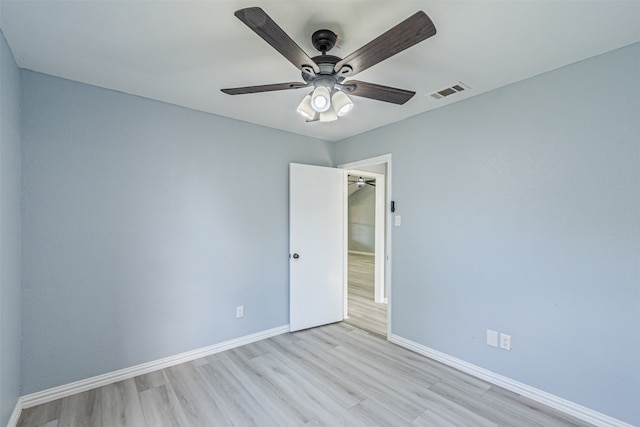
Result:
pixel 585 414
pixel 55 393
pixel 345 247
pixel 379 262
pixel 385 158
pixel 15 415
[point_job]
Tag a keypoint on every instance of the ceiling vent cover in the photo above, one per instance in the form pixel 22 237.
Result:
pixel 459 87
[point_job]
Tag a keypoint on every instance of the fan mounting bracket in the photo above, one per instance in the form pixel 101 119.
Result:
pixel 324 40
pixel 347 87
pixel 345 71
pixel 307 73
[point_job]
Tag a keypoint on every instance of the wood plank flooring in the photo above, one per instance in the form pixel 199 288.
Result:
pixel 363 311
pixel 327 376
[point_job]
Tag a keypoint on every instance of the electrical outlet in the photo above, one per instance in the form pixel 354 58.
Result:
pixel 505 341
pixel 492 338
pixel 240 311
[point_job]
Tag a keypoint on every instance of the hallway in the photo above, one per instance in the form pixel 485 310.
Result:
pixel 364 312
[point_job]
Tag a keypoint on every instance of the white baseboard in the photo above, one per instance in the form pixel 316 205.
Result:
pixel 59 392
pixel 15 415
pixel 585 414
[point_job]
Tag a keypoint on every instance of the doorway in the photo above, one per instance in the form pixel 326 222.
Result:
pixel 367 245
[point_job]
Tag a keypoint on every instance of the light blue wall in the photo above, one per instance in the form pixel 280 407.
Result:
pixel 145 225
pixel 10 251
pixel 362 220
pixel 521 213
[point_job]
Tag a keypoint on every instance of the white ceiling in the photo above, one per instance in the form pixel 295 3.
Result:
pixel 184 52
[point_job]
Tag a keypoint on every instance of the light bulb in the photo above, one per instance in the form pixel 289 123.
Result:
pixel 320 99
pixel 320 102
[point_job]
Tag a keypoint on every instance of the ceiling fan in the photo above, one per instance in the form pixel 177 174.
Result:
pixel 328 74
pixel 361 182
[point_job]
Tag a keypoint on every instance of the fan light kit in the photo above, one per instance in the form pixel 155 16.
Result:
pixel 330 107
pixel 327 73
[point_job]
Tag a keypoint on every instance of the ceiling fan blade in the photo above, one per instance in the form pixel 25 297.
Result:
pixel 262 24
pixel 409 32
pixel 263 88
pixel 378 92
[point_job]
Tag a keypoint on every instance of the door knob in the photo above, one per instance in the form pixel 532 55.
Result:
pixel 296 256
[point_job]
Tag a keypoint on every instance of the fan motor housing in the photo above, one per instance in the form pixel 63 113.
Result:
pixel 326 63
pixel 326 59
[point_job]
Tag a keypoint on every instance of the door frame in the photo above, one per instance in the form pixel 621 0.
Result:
pixel 383 159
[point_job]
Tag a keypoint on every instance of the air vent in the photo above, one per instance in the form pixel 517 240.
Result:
pixel 460 87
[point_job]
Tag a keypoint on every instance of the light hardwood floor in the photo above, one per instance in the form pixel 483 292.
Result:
pixel 363 311
pixel 327 376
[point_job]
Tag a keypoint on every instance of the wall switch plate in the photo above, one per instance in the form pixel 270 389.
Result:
pixel 240 311
pixel 505 341
pixel 398 220
pixel 492 338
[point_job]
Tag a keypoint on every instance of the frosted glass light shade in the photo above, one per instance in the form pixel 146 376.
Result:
pixel 328 116
pixel 341 103
pixel 321 99
pixel 305 109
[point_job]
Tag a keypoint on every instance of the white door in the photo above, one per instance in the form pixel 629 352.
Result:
pixel 316 245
